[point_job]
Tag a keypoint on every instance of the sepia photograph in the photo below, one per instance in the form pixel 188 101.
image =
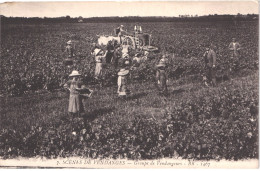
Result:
pixel 129 84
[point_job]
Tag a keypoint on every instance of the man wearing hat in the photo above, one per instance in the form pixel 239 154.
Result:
pixel 206 61
pixel 211 65
pixel 161 76
pixel 69 49
pixel 234 48
pixel 75 85
pixel 70 52
pixel 121 32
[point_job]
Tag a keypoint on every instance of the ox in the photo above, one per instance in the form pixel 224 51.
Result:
pixel 103 40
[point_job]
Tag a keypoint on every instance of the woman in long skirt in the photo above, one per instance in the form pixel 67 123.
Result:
pixel 74 86
pixel 99 54
pixel 161 78
pixel 123 76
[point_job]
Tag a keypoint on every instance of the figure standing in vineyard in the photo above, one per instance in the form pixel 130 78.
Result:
pixel 234 48
pixel 205 57
pixel 120 31
pixel 161 76
pixel 137 60
pixel 110 52
pixel 162 60
pixel 123 76
pixel 211 65
pixel 99 55
pixel 117 55
pixel 69 49
pixel 70 52
pixel 75 85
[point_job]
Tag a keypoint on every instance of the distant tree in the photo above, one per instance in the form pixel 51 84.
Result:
pixel 80 19
pixel 67 17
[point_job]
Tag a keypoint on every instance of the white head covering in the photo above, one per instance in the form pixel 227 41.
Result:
pixel 75 73
pixel 96 51
pixel 125 55
pixel 69 42
pixel 161 64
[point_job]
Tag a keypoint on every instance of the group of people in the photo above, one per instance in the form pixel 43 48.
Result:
pixel 122 62
pixel 210 61
pixel 124 65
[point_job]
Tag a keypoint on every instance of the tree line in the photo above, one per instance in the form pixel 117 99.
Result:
pixel 181 18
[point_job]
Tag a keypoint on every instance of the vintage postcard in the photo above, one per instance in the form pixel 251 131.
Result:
pixel 129 84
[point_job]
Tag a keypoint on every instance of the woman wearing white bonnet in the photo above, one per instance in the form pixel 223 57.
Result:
pixel 74 85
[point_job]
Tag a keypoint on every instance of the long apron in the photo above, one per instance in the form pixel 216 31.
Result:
pixel 75 100
pixel 122 85
pixel 161 76
pixel 98 70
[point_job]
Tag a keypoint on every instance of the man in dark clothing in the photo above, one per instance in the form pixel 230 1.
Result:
pixel 205 57
pixel 110 53
pixel 69 49
pixel 234 48
pixel 211 65
pixel 117 55
pixel 70 52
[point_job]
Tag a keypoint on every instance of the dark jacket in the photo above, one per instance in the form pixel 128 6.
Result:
pixel 211 58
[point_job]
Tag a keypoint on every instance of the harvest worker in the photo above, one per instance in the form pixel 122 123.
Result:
pixel 69 49
pixel 205 56
pixel 120 31
pixel 161 76
pixel 70 52
pixel 123 76
pixel 137 60
pixel 99 55
pixel 234 48
pixel 211 64
pixel 117 55
pixel 75 85
pixel 110 53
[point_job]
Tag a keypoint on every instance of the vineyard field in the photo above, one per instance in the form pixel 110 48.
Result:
pixel 192 122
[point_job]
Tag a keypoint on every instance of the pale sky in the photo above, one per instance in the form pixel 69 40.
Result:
pixel 126 8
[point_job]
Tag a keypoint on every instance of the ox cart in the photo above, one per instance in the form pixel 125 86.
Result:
pixel 135 40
